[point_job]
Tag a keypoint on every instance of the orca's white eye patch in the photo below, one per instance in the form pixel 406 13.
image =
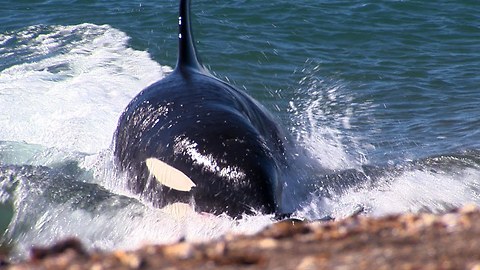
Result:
pixel 168 175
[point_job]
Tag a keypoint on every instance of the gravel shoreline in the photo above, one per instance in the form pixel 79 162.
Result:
pixel 407 241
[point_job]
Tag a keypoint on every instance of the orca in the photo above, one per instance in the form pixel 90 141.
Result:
pixel 193 139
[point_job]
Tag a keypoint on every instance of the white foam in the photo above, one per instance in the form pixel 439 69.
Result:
pixel 71 99
pixel 114 228
pixel 410 192
pixel 416 191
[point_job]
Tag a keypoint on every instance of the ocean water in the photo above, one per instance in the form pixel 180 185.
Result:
pixel 383 97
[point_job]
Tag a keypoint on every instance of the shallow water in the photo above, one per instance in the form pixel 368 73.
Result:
pixel 382 96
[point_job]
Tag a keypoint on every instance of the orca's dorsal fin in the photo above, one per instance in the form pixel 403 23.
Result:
pixel 187 54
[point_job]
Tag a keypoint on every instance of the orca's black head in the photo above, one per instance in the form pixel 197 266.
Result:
pixel 195 140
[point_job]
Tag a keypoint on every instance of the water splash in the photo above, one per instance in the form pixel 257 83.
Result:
pixel 324 123
pixel 322 112
pixel 435 185
pixel 53 204
pixel 66 85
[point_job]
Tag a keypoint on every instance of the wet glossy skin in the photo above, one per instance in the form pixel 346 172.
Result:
pixel 216 135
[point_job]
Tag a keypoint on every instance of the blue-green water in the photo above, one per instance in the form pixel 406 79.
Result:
pixel 355 82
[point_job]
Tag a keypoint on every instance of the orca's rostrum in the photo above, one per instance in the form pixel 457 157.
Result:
pixel 191 139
